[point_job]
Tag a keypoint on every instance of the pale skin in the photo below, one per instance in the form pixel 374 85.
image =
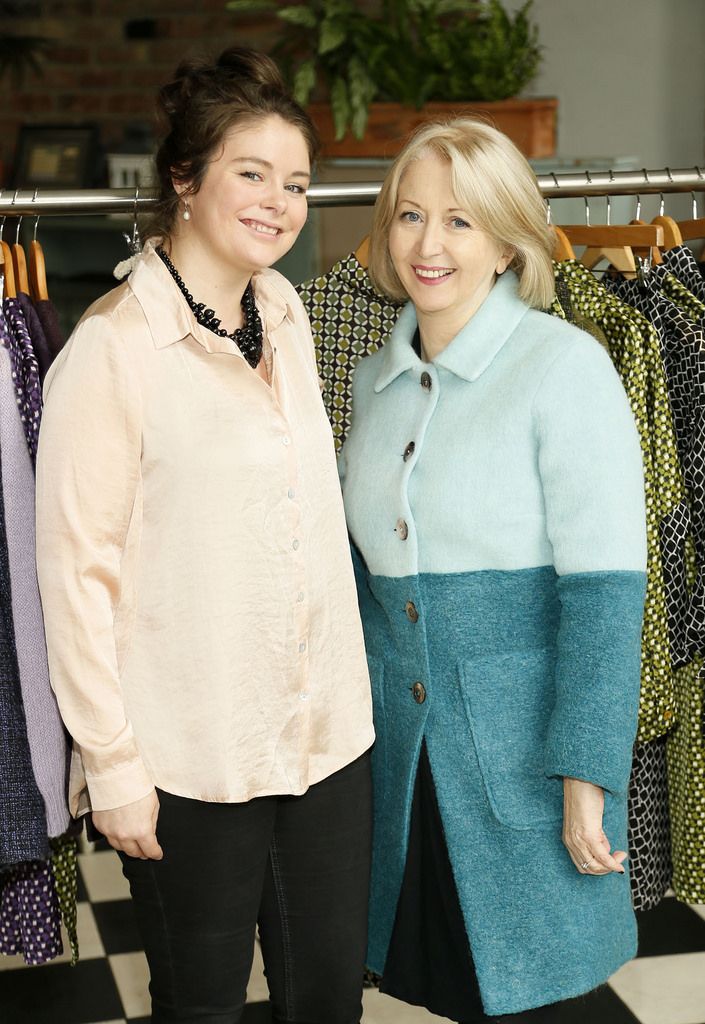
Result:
pixel 246 215
pixel 447 266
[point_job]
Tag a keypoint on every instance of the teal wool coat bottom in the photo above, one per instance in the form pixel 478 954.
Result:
pixel 500 563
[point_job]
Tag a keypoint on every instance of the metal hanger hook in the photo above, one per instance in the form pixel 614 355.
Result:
pixel 549 214
pixel 587 200
pixel 36 222
pixel 19 219
pixel 135 232
pixel 609 201
pixel 637 212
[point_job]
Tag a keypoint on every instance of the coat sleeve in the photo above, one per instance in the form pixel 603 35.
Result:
pixel 88 478
pixel 589 462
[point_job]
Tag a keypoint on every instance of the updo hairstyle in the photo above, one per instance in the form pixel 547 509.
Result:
pixel 494 183
pixel 199 106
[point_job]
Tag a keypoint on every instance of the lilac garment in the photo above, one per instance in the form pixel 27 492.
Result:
pixel 25 371
pixel 45 731
pixel 23 827
pixel 30 919
pixel 40 345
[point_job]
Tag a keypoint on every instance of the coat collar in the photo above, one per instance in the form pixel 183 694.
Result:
pixel 168 314
pixel 474 347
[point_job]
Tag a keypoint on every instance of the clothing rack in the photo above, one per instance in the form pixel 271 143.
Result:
pixel 53 202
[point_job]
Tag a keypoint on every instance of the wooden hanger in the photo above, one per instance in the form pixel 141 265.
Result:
pixel 37 273
pixel 562 250
pixel 362 253
pixel 651 253
pixel 19 265
pixel 692 229
pixel 613 242
pixel 10 291
pixel 672 236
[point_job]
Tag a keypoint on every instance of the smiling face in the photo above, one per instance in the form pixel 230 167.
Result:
pixel 445 263
pixel 251 205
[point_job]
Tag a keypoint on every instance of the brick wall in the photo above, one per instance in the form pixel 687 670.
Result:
pixel 92 71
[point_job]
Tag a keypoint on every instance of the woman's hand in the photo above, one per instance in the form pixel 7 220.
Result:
pixel 132 828
pixel 587 844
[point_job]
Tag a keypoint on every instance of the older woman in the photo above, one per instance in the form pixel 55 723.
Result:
pixel 202 624
pixel 494 494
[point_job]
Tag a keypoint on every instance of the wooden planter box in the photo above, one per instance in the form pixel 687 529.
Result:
pixel 530 124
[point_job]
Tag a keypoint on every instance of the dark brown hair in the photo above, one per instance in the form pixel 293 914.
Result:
pixel 204 100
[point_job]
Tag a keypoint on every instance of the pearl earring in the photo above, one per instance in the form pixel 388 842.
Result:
pixel 187 213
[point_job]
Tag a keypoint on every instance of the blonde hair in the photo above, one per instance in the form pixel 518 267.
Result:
pixel 495 184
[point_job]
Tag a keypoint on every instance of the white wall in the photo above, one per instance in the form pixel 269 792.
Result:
pixel 629 76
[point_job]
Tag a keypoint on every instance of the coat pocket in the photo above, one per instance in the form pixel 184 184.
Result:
pixel 508 701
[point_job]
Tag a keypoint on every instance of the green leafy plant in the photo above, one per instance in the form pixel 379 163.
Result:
pixel 405 51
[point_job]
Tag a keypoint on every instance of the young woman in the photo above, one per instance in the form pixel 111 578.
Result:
pixel 493 488
pixel 202 624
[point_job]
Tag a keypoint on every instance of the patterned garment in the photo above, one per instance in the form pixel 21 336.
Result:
pixel 684 267
pixel 64 867
pixel 30 918
pixel 686 777
pixel 683 354
pixel 635 350
pixel 349 319
pixel 650 864
pixel 663 298
pixel 25 370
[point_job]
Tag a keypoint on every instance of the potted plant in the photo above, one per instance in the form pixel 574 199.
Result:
pixel 385 67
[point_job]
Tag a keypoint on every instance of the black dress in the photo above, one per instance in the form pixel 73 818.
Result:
pixel 429 962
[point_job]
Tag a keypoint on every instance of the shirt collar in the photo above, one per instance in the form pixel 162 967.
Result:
pixel 169 316
pixel 475 346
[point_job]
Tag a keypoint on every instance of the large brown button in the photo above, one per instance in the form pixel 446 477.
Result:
pixel 411 612
pixel 409 450
pixel 426 381
pixel 418 691
pixel 402 529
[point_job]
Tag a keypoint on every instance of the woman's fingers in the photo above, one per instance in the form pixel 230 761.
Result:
pixel 132 828
pixel 597 860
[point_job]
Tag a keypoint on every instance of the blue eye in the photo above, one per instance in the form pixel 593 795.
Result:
pixel 251 175
pixel 458 222
pixel 411 216
pixel 298 190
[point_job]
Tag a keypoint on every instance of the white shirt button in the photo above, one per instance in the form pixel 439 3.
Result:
pixel 295 544
pixel 303 695
pixel 300 596
pixel 291 493
pixel 302 647
pixel 286 440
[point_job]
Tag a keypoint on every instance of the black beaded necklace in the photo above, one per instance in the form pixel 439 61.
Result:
pixel 248 338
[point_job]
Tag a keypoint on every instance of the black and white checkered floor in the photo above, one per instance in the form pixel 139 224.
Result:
pixel 665 985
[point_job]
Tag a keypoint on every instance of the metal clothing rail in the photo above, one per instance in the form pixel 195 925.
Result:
pixel 52 202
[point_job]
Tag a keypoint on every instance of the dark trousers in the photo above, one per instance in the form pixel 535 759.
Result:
pixel 296 866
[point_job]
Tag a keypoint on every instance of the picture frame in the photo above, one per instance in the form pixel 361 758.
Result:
pixel 56 156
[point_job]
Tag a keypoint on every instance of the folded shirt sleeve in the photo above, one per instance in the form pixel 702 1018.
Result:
pixel 88 485
pixel 589 461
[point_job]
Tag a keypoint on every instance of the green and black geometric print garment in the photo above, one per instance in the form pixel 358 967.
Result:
pixel 349 319
pixel 670 305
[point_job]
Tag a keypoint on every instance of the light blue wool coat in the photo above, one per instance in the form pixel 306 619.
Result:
pixel 525 558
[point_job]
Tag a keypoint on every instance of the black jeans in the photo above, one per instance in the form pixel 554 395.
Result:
pixel 298 867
